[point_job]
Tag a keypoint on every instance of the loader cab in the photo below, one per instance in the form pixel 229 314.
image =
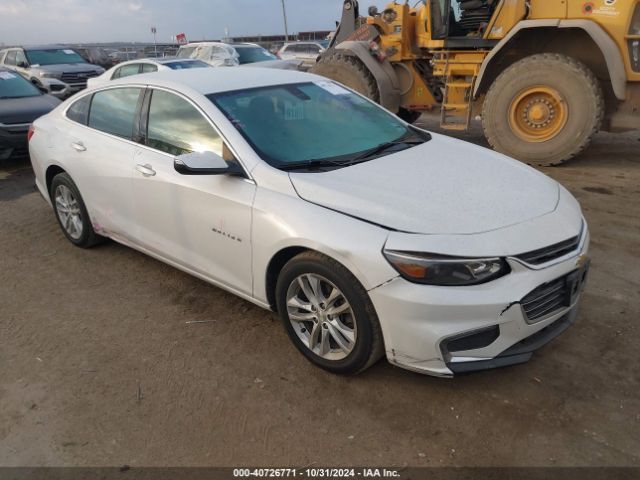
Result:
pixel 462 23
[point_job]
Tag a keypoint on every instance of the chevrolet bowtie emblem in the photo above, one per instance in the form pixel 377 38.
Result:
pixel 582 259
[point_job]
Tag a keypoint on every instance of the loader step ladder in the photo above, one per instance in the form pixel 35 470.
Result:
pixel 459 70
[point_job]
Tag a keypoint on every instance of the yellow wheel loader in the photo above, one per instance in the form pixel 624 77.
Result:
pixel 544 75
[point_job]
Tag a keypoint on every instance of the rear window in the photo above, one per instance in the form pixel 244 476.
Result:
pixel 184 65
pixel 113 111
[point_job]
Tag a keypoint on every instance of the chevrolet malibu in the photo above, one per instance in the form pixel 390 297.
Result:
pixel 368 236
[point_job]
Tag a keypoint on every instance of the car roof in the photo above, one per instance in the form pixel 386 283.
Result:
pixel 302 42
pixel 45 47
pixel 215 80
pixel 159 61
pixel 245 44
pixel 195 44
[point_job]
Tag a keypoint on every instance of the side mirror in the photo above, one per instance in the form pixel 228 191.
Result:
pixel 205 163
pixel 22 65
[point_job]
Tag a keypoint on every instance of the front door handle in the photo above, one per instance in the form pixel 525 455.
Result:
pixel 79 147
pixel 146 170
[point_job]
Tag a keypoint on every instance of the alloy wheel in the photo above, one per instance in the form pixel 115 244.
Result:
pixel 321 316
pixel 69 212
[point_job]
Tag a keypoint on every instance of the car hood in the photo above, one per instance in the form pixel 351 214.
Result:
pixel 443 186
pixel 26 110
pixel 68 68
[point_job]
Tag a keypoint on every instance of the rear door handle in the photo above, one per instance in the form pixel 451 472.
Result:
pixel 79 147
pixel 146 170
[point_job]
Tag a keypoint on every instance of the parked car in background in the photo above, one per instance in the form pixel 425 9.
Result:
pixel 146 65
pixel 367 235
pixel 219 54
pixel 253 54
pixel 96 56
pixel 57 70
pixel 216 54
pixel 306 52
pixel 21 102
pixel 124 55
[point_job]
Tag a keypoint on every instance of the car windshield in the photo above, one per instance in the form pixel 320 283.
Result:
pixel 53 56
pixel 178 65
pixel 185 52
pixel 13 85
pixel 319 123
pixel 253 55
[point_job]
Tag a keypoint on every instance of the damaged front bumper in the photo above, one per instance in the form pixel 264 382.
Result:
pixel 443 331
pixel 58 88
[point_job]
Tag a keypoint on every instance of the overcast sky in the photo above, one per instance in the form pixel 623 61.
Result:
pixel 74 21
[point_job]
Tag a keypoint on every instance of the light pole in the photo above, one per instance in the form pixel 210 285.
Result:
pixel 155 44
pixel 286 30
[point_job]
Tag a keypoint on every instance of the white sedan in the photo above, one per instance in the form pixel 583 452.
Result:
pixel 368 236
pixel 145 65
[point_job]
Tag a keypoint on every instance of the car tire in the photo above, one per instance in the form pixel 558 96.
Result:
pixel 345 335
pixel 71 212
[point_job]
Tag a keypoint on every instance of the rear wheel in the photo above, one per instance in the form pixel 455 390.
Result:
pixel 328 314
pixel 71 212
pixel 543 110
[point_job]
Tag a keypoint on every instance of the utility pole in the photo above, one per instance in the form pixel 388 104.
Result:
pixel 286 30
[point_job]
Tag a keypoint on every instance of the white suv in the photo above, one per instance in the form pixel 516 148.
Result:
pixel 307 52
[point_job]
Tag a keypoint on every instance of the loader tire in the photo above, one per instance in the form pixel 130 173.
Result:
pixel 349 71
pixel 543 109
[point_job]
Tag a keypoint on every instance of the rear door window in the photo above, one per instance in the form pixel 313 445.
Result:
pixel 148 68
pixel 114 111
pixel 79 110
pixel 127 71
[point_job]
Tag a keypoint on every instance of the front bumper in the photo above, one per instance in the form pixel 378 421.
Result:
pixel 13 140
pixel 57 88
pixel 487 323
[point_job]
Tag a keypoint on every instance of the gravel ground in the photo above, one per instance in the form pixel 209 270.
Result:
pixel 101 363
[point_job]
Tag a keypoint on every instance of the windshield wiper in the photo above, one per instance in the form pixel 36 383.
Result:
pixel 372 152
pixel 312 164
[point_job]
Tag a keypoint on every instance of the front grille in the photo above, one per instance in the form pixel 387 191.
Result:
pixel 547 254
pixel 553 296
pixel 545 299
pixel 78 77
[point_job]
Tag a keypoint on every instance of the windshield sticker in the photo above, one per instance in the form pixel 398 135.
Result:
pixel 333 88
pixel 69 52
pixel 293 111
pixel 7 75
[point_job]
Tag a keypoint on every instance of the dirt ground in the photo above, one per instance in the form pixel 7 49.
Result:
pixel 102 365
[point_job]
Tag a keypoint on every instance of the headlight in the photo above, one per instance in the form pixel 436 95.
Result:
pixel 50 75
pixel 431 269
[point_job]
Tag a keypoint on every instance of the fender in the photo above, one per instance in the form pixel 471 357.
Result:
pixel 610 51
pixel 386 78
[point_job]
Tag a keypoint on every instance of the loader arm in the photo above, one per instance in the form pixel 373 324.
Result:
pixel 348 23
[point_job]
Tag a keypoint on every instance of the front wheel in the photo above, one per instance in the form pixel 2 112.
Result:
pixel 328 314
pixel 543 109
